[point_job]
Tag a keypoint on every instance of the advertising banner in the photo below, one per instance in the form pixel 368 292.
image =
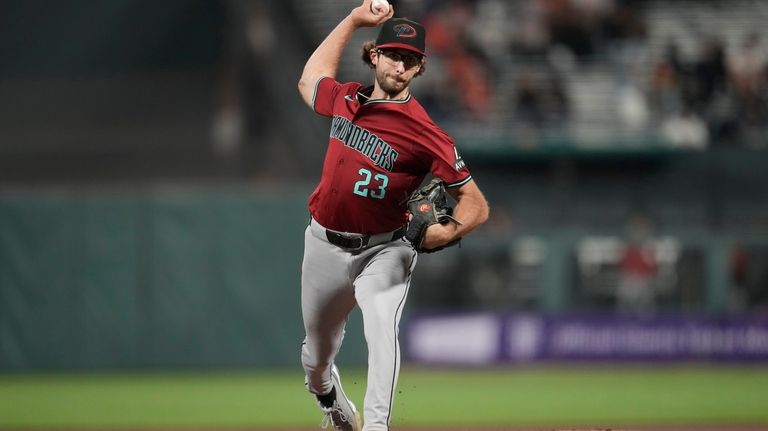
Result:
pixel 481 339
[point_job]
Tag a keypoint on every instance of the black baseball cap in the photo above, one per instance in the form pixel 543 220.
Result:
pixel 402 33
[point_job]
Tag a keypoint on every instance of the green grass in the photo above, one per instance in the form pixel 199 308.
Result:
pixel 511 397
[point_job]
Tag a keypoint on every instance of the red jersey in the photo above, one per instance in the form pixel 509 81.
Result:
pixel 378 153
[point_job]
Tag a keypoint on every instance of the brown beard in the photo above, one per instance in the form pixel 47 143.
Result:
pixel 389 89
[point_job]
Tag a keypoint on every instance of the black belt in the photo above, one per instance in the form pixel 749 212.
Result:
pixel 360 242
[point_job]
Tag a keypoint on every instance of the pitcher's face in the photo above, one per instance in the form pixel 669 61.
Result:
pixel 395 69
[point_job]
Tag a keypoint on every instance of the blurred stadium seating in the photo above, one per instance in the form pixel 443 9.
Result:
pixel 207 79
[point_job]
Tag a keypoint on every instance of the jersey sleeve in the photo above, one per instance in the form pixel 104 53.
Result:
pixel 326 91
pixel 446 163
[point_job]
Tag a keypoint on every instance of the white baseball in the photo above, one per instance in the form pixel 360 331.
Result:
pixel 379 6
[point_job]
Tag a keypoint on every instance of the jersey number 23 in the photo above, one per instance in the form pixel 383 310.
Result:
pixel 371 185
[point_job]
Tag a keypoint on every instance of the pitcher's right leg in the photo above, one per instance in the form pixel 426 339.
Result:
pixel 327 297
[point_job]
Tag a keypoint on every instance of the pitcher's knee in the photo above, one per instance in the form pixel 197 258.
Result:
pixel 379 322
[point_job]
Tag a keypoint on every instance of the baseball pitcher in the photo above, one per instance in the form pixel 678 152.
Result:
pixel 369 219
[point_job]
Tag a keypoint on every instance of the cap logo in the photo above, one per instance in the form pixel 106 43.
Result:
pixel 404 30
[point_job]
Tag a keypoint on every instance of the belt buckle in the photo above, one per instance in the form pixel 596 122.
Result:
pixel 347 242
pixel 362 242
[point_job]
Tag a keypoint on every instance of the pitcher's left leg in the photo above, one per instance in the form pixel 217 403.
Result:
pixel 381 290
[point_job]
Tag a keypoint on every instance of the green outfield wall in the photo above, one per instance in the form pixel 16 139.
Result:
pixel 151 279
pixel 175 279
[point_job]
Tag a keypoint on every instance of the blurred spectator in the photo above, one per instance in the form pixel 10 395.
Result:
pixel 491 32
pixel 529 38
pixel 686 130
pixel 450 42
pixel 738 266
pixel 632 107
pixel 748 71
pixel 748 276
pixel 666 75
pixel 637 268
pixel 707 77
pixel 240 112
pixel 540 102
pixel 747 66
pixel 688 97
pixel 529 108
pixel 622 23
pixel 752 114
pixel 569 26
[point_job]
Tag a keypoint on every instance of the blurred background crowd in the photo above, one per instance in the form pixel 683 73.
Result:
pixel 217 76
pixel 623 144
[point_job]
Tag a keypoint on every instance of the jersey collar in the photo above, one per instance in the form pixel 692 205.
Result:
pixel 364 97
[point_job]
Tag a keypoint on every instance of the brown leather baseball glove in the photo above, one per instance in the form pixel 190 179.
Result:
pixel 427 206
